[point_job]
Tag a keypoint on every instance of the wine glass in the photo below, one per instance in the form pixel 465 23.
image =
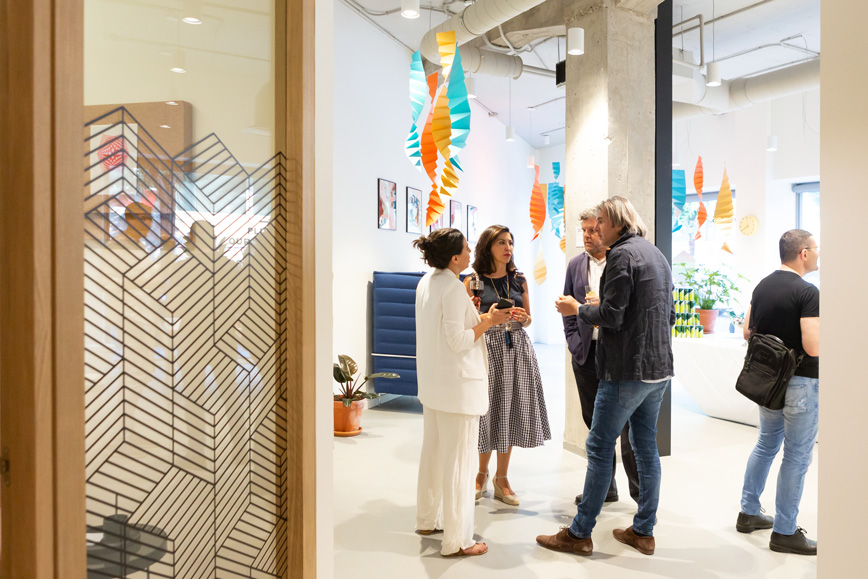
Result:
pixel 476 287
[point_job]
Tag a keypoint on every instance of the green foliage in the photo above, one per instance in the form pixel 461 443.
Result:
pixel 711 286
pixel 350 389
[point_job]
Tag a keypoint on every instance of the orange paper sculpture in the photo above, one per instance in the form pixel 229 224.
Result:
pixel 697 183
pixel 537 204
pixel 539 268
pixel 724 212
pixel 564 244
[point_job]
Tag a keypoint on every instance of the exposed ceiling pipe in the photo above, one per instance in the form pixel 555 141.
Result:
pixel 472 22
pixel 743 92
pixel 724 16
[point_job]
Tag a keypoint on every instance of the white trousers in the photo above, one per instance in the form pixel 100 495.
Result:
pixel 446 495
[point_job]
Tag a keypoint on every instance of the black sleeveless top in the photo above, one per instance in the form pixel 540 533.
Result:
pixel 509 286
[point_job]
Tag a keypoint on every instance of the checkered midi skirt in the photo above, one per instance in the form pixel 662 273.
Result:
pixel 517 408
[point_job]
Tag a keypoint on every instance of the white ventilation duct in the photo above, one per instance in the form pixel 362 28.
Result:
pixel 472 22
pixel 741 93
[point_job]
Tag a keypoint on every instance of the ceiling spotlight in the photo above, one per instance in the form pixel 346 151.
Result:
pixel 712 74
pixel 510 134
pixel 576 41
pixel 179 65
pixel 547 140
pixel 410 8
pixel 470 83
pixel 771 143
pixel 191 12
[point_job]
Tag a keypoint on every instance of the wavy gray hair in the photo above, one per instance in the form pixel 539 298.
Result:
pixel 623 215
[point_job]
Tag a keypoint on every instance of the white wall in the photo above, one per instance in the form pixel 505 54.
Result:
pixel 762 181
pixel 371 122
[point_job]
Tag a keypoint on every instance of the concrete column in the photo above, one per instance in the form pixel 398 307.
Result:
pixel 610 131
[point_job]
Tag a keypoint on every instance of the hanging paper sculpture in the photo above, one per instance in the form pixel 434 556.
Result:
pixel 723 211
pixel 697 183
pixel 418 96
pixel 537 204
pixel 539 267
pixel 679 196
pixel 447 126
pixel 564 244
pixel 555 199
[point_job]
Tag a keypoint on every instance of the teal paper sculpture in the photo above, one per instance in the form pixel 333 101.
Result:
pixel 418 96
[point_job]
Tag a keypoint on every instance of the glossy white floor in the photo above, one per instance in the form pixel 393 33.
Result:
pixel 375 485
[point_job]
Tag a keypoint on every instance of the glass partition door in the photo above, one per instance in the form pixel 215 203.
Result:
pixel 185 214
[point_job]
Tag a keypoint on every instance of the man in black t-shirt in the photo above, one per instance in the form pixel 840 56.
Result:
pixel 786 306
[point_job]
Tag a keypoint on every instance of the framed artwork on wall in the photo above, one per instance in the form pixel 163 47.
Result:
pixel 414 210
pixel 472 228
pixel 387 205
pixel 455 214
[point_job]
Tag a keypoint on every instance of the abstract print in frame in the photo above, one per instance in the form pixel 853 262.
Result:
pixel 455 214
pixel 414 210
pixel 472 224
pixel 387 205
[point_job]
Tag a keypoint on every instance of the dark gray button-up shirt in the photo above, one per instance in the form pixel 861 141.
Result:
pixel 636 313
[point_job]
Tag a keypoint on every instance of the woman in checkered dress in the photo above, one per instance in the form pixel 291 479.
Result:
pixel 517 409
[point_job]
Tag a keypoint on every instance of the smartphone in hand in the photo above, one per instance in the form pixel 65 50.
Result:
pixel 505 304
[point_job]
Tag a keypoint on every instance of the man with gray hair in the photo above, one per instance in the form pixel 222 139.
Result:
pixel 635 314
pixel 583 273
pixel 786 306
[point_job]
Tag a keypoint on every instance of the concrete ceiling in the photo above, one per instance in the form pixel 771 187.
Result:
pixel 769 22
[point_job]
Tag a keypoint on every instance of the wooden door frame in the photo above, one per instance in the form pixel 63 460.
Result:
pixel 42 295
pixel 42 508
pixel 294 121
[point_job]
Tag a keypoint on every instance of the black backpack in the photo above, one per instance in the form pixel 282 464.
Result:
pixel 768 366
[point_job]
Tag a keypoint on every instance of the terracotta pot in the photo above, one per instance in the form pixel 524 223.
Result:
pixel 708 318
pixel 347 419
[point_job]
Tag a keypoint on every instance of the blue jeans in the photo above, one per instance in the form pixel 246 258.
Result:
pixel 616 403
pixel 796 427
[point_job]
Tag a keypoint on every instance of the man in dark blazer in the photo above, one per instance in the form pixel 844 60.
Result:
pixel 582 343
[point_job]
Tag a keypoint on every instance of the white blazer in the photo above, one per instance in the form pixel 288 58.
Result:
pixel 451 367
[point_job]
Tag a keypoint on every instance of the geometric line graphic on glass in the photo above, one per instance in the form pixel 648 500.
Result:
pixel 185 328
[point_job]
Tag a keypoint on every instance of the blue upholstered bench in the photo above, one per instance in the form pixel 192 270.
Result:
pixel 394 320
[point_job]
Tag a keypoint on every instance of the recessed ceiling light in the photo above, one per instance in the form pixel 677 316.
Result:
pixel 191 20
pixel 165 127
pixel 178 69
pixel 172 103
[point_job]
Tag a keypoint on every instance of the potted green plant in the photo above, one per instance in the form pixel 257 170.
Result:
pixel 349 401
pixel 712 287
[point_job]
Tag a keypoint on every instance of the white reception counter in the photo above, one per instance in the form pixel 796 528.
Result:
pixel 708 367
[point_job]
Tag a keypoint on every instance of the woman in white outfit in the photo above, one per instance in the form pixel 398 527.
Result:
pixel 453 388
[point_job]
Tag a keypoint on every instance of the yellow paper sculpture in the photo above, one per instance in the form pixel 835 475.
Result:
pixel 564 244
pixel 539 267
pixel 724 212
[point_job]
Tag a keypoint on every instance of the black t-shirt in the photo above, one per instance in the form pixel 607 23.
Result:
pixel 509 286
pixel 777 306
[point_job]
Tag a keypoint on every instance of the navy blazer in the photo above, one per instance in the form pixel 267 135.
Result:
pixel 578 333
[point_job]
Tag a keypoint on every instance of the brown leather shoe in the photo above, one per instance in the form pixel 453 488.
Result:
pixel 562 541
pixel 644 545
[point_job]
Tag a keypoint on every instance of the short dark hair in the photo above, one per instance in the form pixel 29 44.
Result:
pixel 439 247
pixel 792 243
pixel 483 262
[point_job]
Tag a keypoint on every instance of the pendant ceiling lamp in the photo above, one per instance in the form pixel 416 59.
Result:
pixel 410 8
pixel 712 69
pixel 576 41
